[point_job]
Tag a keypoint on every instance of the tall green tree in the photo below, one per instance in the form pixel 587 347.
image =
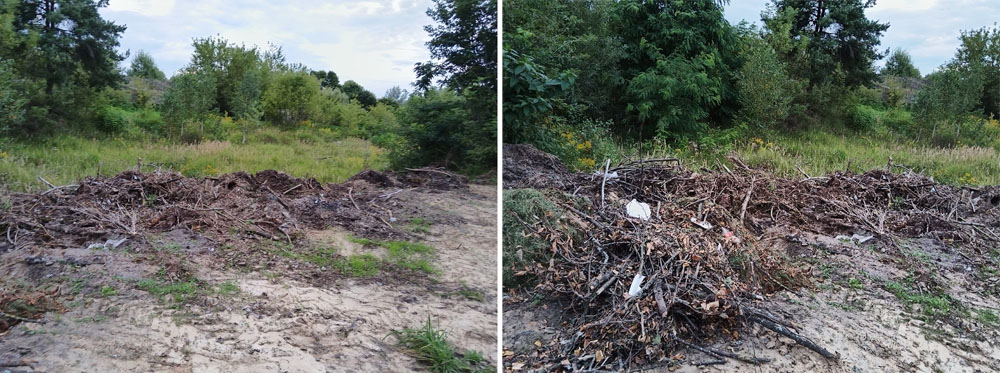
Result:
pixel 327 79
pixel 465 42
pixel 765 90
pixel 463 117
pixel 144 67
pixel 228 63
pixel 189 98
pixel 70 36
pixel 900 64
pixel 571 36
pixel 396 94
pixel 291 98
pixel 356 92
pixel 979 54
pixel 839 37
pixel 680 64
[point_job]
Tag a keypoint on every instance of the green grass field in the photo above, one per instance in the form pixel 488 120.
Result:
pixel 67 159
pixel 820 152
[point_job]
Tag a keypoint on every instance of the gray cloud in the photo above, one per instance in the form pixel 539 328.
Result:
pixel 928 29
pixel 374 42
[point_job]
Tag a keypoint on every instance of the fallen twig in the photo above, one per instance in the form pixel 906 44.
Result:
pixel 46 182
pixel 781 329
pixel 717 353
pixel 22 319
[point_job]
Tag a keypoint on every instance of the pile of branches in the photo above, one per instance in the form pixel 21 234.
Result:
pixel 639 289
pixel 268 205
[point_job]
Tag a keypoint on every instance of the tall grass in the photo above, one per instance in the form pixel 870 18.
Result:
pixel 820 152
pixel 67 159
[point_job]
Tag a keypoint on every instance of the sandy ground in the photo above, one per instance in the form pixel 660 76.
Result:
pixel 274 324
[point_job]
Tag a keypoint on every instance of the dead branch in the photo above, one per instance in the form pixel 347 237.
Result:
pixel 781 329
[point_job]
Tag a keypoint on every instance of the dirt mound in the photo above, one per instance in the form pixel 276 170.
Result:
pixel 524 166
pixel 712 246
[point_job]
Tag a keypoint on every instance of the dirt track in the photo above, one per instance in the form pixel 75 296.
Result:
pixel 288 314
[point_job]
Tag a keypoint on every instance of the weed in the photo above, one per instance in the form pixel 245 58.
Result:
pixel 469 293
pixel 108 291
pixel 420 225
pixel 178 292
pixel 361 265
pixel 410 255
pixel 854 283
pixel 228 289
pixel 151 200
pixel 933 305
pixel 431 347
pixel 987 317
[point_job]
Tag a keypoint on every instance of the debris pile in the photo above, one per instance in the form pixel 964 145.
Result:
pixel 642 281
pixel 237 210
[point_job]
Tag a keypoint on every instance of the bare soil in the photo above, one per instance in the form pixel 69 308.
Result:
pixel 244 241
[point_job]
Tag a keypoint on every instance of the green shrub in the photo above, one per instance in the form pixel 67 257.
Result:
pixel 113 119
pixel 149 120
pixel 12 97
pixel 898 120
pixel 864 117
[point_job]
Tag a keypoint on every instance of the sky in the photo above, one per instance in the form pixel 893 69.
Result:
pixel 927 29
pixel 373 42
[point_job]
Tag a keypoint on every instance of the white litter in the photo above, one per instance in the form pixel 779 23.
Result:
pixel 855 237
pixel 610 175
pixel 636 288
pixel 107 245
pixel 638 209
pixel 704 224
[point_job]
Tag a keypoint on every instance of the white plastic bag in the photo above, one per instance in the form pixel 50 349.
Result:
pixel 638 209
pixel 636 288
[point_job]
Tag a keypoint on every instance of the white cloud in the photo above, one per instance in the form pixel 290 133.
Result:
pixel 374 42
pixel 903 5
pixel 149 8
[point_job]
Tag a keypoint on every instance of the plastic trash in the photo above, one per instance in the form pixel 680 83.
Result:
pixel 636 288
pixel 610 175
pixel 729 236
pixel 855 237
pixel 107 245
pixel 704 224
pixel 638 209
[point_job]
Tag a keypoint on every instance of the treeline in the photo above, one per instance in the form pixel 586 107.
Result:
pixel 60 72
pixel 675 72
